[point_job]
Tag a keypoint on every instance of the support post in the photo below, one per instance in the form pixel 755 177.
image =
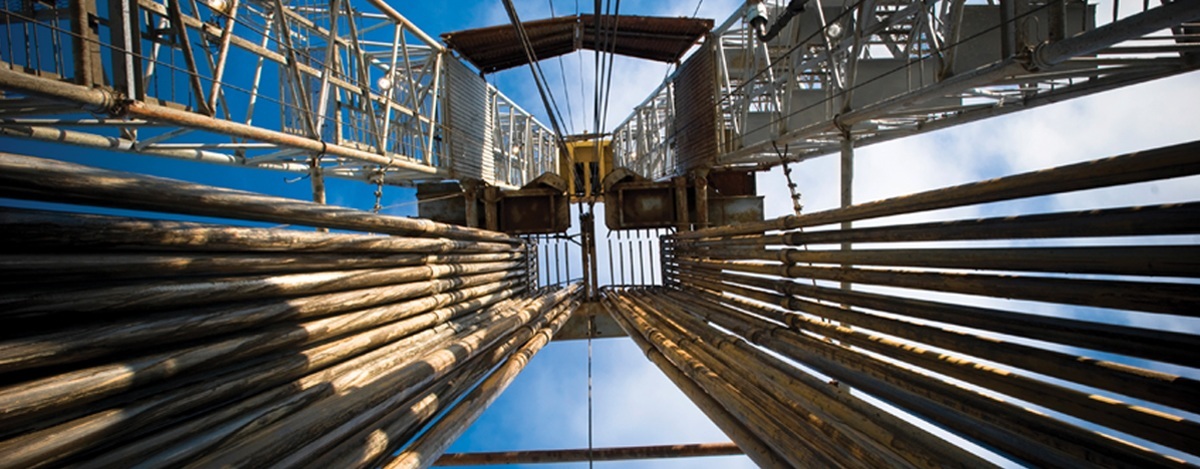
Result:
pixel 681 203
pixel 86 41
pixel 491 200
pixel 700 186
pixel 127 49
pixel 471 194
pixel 847 188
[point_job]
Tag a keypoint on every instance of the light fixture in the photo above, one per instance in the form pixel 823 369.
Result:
pixel 384 83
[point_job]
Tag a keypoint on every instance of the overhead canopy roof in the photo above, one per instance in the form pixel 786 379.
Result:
pixel 647 37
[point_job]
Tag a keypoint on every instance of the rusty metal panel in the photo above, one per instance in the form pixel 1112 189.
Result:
pixel 469 139
pixel 640 204
pixel 576 328
pixel 655 38
pixel 734 210
pixel 728 183
pixel 695 131
pixel 534 211
pixel 442 202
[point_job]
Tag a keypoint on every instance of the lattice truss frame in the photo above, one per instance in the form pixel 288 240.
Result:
pixel 362 93
pixel 876 70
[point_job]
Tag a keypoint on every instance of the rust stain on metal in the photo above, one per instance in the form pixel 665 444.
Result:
pixel 647 37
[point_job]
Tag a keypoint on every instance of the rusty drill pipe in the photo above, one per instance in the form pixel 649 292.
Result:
pixel 1166 429
pixel 756 419
pixel 27 177
pixel 835 442
pixel 1167 346
pixel 312 367
pixel 34 230
pixel 734 428
pixel 1154 297
pixel 515 352
pixel 1013 429
pixel 84 266
pixel 913 443
pixel 1183 218
pixel 119 337
pixel 1157 261
pixel 59 394
pixel 400 425
pixel 143 296
pixel 1154 386
pixel 1160 163
pixel 284 436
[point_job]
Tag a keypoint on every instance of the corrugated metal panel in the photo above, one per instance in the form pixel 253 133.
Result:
pixel 467 107
pixel 696 111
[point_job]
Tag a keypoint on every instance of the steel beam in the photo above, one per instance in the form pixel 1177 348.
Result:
pixel 594 454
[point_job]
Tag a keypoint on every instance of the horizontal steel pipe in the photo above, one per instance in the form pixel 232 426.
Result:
pixel 89 341
pixel 1155 297
pixel 1166 346
pixel 1161 163
pixel 59 394
pixel 734 428
pixel 58 181
pixel 1157 261
pixel 918 446
pixel 1167 429
pixel 84 266
pixel 770 431
pixel 268 379
pixel 293 431
pixel 1034 437
pixel 27 231
pixel 371 444
pixel 819 432
pixel 825 359
pixel 442 433
pixel 622 453
pixel 1141 383
pixel 340 382
pixel 512 348
pixel 143 296
pixel 1156 220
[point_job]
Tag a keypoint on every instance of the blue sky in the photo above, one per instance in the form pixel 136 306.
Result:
pixel 634 404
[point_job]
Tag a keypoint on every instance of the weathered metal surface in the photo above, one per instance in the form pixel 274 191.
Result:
pixel 1037 391
pixel 470 138
pixel 655 38
pixel 177 343
pixel 602 324
pixel 733 210
pixel 695 121
pixel 50 180
pixel 34 230
pixel 1160 163
pixel 545 319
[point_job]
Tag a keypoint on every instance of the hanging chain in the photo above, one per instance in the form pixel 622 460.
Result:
pixel 797 206
pixel 377 178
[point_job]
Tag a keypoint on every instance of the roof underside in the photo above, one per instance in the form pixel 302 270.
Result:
pixel 647 37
